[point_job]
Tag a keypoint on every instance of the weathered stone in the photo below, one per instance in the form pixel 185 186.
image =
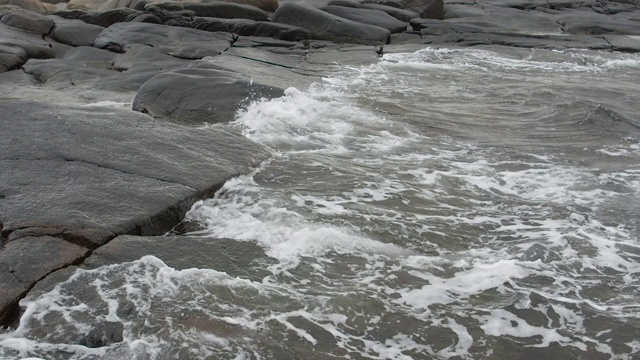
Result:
pixel 432 9
pixel 27 20
pixel 176 41
pixel 196 96
pixel 325 26
pixel 245 27
pixel 75 32
pixel 23 262
pixel 31 5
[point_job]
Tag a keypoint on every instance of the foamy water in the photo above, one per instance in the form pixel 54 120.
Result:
pixel 450 203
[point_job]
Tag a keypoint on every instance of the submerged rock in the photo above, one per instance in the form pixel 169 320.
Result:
pixel 25 261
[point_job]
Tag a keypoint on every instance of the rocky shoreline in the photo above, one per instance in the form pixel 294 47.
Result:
pixel 81 170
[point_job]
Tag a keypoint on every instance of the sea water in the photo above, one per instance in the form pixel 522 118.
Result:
pixel 478 203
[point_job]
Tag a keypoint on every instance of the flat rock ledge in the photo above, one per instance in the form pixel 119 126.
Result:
pixel 112 113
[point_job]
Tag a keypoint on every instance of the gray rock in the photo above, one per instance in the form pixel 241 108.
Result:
pixel 581 23
pixel 196 96
pixel 109 17
pixel 64 71
pixel 217 9
pixel 103 334
pixel 22 264
pixel 11 57
pixel 325 26
pixel 31 5
pixel 108 169
pixel 176 41
pixel 75 32
pixel 265 66
pixel 623 43
pixel 27 20
pixel 92 57
pixel 236 258
pixel 432 9
pixel 245 27
pixel 400 14
pixel 368 16
pixel 60 49
pixel 33 44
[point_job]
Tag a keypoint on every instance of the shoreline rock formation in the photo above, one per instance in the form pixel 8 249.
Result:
pixel 79 167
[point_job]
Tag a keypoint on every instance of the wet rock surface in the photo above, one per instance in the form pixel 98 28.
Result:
pixel 80 169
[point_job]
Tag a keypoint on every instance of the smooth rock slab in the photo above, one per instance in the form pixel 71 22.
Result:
pixel 25 261
pixel 74 32
pixel 368 16
pixel 196 96
pixel 245 27
pixel 431 9
pixel 109 169
pixel 33 44
pixel 176 41
pixel 27 20
pixel 325 26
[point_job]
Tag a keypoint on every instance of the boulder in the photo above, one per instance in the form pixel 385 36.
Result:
pixel 431 9
pixel 27 20
pixel 325 26
pixel 31 5
pixel 25 261
pixel 197 96
pixel 245 27
pixel 74 32
pixel 33 44
pixel 176 41
pixel 368 16
pixel 11 57
pixel 92 57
